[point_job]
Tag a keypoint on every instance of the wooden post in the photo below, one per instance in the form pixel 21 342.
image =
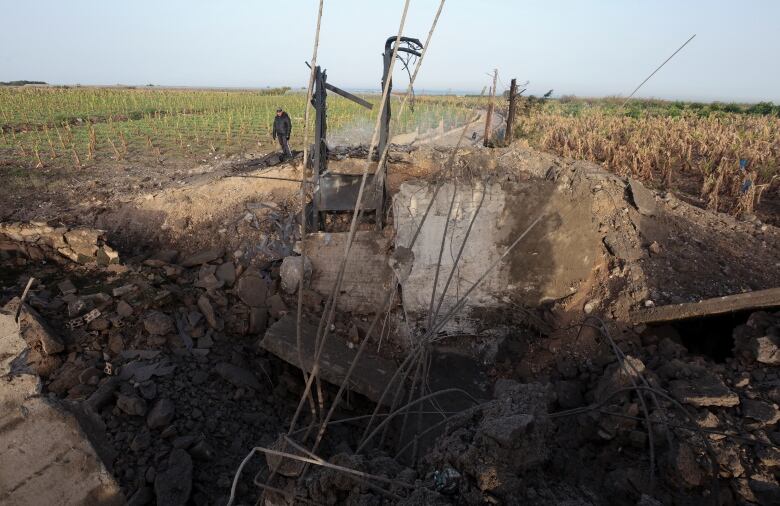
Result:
pixel 489 118
pixel 510 117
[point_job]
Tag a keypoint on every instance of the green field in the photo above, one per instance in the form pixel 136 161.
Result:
pixel 52 126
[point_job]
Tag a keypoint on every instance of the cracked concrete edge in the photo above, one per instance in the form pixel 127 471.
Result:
pixel 47 456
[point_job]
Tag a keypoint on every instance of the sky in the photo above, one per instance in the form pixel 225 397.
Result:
pixel 585 48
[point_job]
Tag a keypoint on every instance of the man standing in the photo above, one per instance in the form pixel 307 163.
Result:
pixel 282 130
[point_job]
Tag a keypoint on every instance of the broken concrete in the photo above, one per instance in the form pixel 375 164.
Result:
pixel 39 241
pixel 370 376
pixel 41 442
pixel 367 276
pixel 759 299
pixel 548 263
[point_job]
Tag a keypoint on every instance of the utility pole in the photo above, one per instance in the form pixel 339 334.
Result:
pixel 489 118
pixel 510 117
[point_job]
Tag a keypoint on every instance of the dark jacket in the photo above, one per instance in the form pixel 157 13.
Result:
pixel 282 126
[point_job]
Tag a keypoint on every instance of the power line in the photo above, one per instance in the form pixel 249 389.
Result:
pixel 656 70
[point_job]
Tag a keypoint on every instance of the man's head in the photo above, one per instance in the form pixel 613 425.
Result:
pixel 279 111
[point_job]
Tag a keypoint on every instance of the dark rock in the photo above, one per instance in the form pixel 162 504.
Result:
pixel 569 394
pixel 157 323
pixel 619 376
pixel 148 390
pixel 239 377
pixel 765 489
pixel 204 304
pixel 34 329
pixel 161 414
pixel 202 257
pixel 141 441
pixel 131 404
pixel 184 442
pixel 258 320
pixel 104 394
pixel 684 468
pixel 174 485
pixel 644 200
pixel 708 390
pixel 252 289
pixel 760 411
pixel 226 273
pixel 202 450
pixel 143 496
pixel 276 306
pixel 124 309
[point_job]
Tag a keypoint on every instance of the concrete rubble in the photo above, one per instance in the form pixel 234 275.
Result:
pixel 176 363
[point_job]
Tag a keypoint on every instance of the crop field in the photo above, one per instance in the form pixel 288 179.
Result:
pixel 77 126
pixel 723 156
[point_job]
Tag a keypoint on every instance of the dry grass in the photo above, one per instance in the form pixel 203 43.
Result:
pixel 699 154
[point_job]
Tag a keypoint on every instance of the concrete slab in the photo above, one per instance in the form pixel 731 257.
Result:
pixel 547 264
pixel 759 299
pixel 46 457
pixel 371 374
pixel 367 275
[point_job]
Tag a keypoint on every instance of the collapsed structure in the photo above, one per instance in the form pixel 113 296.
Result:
pixel 559 378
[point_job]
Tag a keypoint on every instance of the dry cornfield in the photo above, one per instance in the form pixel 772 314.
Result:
pixel 699 155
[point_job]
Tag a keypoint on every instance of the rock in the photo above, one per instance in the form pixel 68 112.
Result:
pixel 729 463
pixel 258 320
pixel 762 412
pixel 141 441
pixel 124 309
pixel 103 395
pixel 202 257
pixel 238 376
pixel 569 394
pixel 312 299
pixel 84 243
pixel 202 450
pixel 684 468
pixel 277 308
pixel 204 304
pixel 161 414
pixel 209 282
pixel 143 496
pixel 205 342
pixel 508 429
pixel 252 289
pixel 123 290
pixel 167 255
pixel 174 485
pixel 766 349
pixel 765 489
pixel 708 390
pixel 116 343
pixel 131 404
pixel 226 273
pixel 644 200
pixel 107 256
pixel 157 323
pixel 34 329
pixel 66 287
pixel 99 324
pixel 617 377
pixel 292 270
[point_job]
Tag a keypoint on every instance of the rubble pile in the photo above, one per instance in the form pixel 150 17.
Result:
pixel 38 241
pixel 160 353
pixel 160 356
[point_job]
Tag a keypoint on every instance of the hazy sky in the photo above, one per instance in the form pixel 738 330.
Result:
pixel 594 48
